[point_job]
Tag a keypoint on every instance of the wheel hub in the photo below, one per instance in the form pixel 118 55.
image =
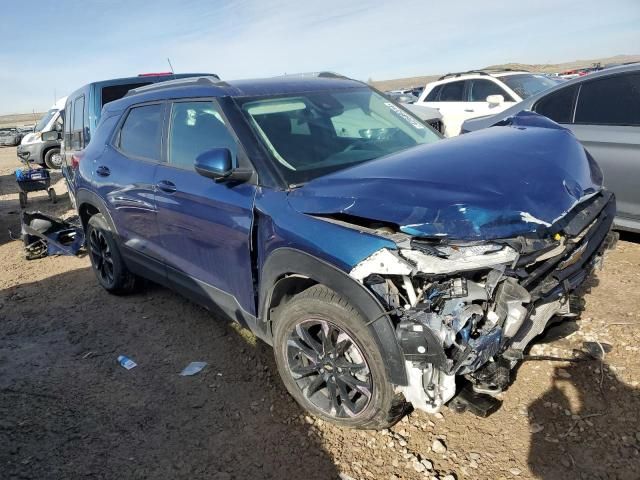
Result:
pixel 329 368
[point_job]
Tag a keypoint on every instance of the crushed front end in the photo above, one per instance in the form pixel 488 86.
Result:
pixel 464 312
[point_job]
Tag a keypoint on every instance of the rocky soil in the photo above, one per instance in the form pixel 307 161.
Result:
pixel 68 410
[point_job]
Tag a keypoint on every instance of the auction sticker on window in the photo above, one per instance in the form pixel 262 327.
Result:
pixel 405 116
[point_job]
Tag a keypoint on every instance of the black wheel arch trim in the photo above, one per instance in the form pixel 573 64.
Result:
pixel 87 197
pixel 288 261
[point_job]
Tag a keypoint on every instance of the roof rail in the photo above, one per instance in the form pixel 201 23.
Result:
pixel 459 74
pixel 486 71
pixel 208 80
pixel 324 74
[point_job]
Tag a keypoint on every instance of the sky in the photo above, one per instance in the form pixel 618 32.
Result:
pixel 50 48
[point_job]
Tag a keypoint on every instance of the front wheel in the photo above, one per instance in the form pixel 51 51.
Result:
pixel 331 364
pixel 53 159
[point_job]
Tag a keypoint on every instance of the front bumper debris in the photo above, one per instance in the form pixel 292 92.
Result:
pixel 465 316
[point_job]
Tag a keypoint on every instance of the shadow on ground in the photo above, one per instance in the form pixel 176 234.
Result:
pixel 595 430
pixel 68 410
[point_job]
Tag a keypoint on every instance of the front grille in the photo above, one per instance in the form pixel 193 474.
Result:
pixel 590 223
pixel 436 125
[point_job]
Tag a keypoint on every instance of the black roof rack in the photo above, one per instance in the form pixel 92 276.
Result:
pixel 486 71
pixel 184 81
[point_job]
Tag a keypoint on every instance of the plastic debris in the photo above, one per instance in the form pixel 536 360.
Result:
pixel 45 235
pixel 193 368
pixel 126 362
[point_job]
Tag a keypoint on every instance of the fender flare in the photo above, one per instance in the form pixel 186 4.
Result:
pixel 284 261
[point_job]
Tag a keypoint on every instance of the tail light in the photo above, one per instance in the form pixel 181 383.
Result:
pixel 155 74
pixel 75 160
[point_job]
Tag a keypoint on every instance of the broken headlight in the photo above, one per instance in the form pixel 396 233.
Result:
pixel 441 259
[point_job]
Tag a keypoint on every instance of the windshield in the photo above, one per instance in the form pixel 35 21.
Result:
pixel 313 134
pixel 45 119
pixel 527 85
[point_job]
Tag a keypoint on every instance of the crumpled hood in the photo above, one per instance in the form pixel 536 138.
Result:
pixel 495 183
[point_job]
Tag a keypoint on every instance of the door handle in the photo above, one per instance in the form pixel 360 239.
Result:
pixel 166 186
pixel 103 171
pixel 469 110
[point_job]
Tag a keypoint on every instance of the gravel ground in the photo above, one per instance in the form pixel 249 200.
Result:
pixel 68 410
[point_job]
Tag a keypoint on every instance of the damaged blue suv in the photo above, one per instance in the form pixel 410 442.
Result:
pixel 387 267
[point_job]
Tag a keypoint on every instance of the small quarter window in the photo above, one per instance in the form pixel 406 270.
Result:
pixel 558 106
pixel 432 96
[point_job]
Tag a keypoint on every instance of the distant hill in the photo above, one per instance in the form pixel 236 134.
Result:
pixel 545 68
pixel 20 119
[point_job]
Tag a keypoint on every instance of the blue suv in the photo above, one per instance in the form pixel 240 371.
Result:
pixel 387 267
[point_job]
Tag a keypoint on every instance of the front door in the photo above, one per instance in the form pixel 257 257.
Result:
pixel 204 226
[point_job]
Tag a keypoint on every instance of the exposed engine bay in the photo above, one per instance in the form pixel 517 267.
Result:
pixel 464 312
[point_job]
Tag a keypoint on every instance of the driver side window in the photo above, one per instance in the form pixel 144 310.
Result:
pixel 197 127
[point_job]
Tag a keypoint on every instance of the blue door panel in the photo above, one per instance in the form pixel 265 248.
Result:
pixel 127 185
pixel 204 231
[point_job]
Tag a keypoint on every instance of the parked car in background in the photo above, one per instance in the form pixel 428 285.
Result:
pixel 460 96
pixel 83 109
pixel 25 129
pixel 602 110
pixel 10 137
pixel 428 115
pixel 384 265
pixel 34 149
pixel 402 97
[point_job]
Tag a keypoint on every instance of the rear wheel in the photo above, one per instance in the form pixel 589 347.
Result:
pixel 53 159
pixel 106 260
pixel 331 364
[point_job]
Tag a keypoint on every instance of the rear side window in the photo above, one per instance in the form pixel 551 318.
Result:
pixel 197 127
pixel 78 114
pixel 433 94
pixel 68 109
pixel 116 92
pixel 481 89
pixel 141 132
pixel 558 106
pixel 452 92
pixel 610 101
pixel 77 124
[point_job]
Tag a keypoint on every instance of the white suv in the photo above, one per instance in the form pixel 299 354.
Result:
pixel 460 96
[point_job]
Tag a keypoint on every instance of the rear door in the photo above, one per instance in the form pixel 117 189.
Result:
pixel 204 226
pixel 124 176
pixel 450 101
pixel 607 123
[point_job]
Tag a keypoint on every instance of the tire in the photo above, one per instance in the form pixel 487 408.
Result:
pixel 106 260
pixel 358 368
pixel 22 198
pixel 53 159
pixel 52 195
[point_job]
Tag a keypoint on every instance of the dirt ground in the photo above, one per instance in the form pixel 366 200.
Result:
pixel 68 410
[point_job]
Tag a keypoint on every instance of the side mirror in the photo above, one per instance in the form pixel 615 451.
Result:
pixel 51 136
pixel 495 100
pixel 218 165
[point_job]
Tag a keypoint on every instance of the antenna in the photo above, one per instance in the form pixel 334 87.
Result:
pixel 170 66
